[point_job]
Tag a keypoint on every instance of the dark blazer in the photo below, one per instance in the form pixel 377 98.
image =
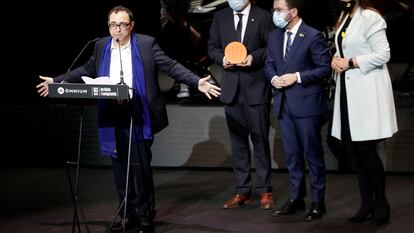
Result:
pixel 153 59
pixel 254 85
pixel 310 56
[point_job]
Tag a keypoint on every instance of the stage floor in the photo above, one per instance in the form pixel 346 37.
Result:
pixel 38 200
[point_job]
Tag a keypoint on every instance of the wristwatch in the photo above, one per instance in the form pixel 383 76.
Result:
pixel 350 63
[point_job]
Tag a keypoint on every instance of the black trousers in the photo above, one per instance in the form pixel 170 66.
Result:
pixel 368 165
pixel 244 120
pixel 370 172
pixel 141 200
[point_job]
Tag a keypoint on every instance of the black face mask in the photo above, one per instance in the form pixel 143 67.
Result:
pixel 347 6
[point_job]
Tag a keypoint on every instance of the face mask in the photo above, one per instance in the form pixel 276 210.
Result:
pixel 347 6
pixel 279 19
pixel 236 5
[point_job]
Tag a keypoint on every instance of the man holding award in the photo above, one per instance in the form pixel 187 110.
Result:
pixel 238 39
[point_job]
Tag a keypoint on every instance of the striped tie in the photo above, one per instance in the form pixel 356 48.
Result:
pixel 288 44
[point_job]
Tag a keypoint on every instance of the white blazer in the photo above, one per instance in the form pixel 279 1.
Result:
pixel 371 108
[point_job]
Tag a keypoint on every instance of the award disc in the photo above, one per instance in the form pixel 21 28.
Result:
pixel 235 52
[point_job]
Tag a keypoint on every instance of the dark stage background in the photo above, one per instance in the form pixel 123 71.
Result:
pixel 44 37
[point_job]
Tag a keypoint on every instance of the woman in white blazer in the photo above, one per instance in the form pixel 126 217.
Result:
pixel 364 111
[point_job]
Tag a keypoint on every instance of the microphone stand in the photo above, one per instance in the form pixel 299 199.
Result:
pixel 74 190
pixel 124 202
pixel 121 73
pixel 70 67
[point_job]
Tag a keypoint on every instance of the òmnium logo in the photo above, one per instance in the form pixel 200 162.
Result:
pixel 60 90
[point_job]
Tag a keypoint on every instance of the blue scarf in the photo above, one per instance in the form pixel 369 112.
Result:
pixel 106 108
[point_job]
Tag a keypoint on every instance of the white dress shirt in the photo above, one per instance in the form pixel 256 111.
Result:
pixel 294 31
pixel 115 66
pixel 245 12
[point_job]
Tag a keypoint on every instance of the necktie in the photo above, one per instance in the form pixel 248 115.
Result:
pixel 288 43
pixel 239 27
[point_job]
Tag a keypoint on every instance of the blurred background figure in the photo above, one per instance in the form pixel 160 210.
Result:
pixel 179 39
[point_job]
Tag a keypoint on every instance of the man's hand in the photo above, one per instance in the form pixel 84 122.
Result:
pixel 208 88
pixel 277 82
pixel 227 64
pixel 288 79
pixel 284 80
pixel 247 62
pixel 43 87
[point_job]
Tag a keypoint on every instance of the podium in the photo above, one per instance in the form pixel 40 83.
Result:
pixel 87 91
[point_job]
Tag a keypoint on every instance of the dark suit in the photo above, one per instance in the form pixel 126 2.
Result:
pixel 246 95
pixel 140 203
pixel 300 106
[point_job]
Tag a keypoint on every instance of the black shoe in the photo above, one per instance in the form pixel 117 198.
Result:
pixel 129 224
pixel 146 227
pixel 290 207
pixel 361 216
pixel 315 212
pixel 381 214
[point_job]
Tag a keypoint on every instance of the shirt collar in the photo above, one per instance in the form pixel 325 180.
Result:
pixel 114 45
pixel 295 29
pixel 245 11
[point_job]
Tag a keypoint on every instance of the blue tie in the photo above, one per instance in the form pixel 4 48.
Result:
pixel 288 43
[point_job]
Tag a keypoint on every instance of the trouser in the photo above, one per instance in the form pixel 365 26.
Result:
pixel 141 200
pixel 370 172
pixel 244 120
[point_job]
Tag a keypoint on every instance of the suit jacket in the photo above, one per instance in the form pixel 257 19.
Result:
pixel 310 57
pixel 370 99
pixel 254 86
pixel 153 58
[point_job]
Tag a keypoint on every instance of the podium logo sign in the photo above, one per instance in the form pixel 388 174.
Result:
pixel 88 91
pixel 104 91
pixel 76 91
pixel 95 91
pixel 61 90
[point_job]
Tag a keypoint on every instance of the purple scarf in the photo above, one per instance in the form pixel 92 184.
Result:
pixel 106 109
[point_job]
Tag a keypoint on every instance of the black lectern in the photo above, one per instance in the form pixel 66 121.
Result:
pixel 86 91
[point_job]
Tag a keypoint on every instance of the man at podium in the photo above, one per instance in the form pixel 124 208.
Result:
pixel 132 59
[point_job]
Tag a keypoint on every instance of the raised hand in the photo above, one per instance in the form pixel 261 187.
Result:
pixel 43 87
pixel 208 88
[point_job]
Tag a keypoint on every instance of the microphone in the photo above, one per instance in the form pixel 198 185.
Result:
pixel 70 67
pixel 121 73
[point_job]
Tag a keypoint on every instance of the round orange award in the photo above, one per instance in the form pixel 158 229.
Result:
pixel 235 52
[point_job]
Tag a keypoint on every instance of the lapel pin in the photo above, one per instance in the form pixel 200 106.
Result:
pixel 301 35
pixel 252 20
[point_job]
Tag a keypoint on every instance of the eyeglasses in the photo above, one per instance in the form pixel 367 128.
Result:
pixel 121 25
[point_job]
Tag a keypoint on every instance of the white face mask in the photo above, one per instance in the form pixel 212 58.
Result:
pixel 279 19
pixel 236 5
